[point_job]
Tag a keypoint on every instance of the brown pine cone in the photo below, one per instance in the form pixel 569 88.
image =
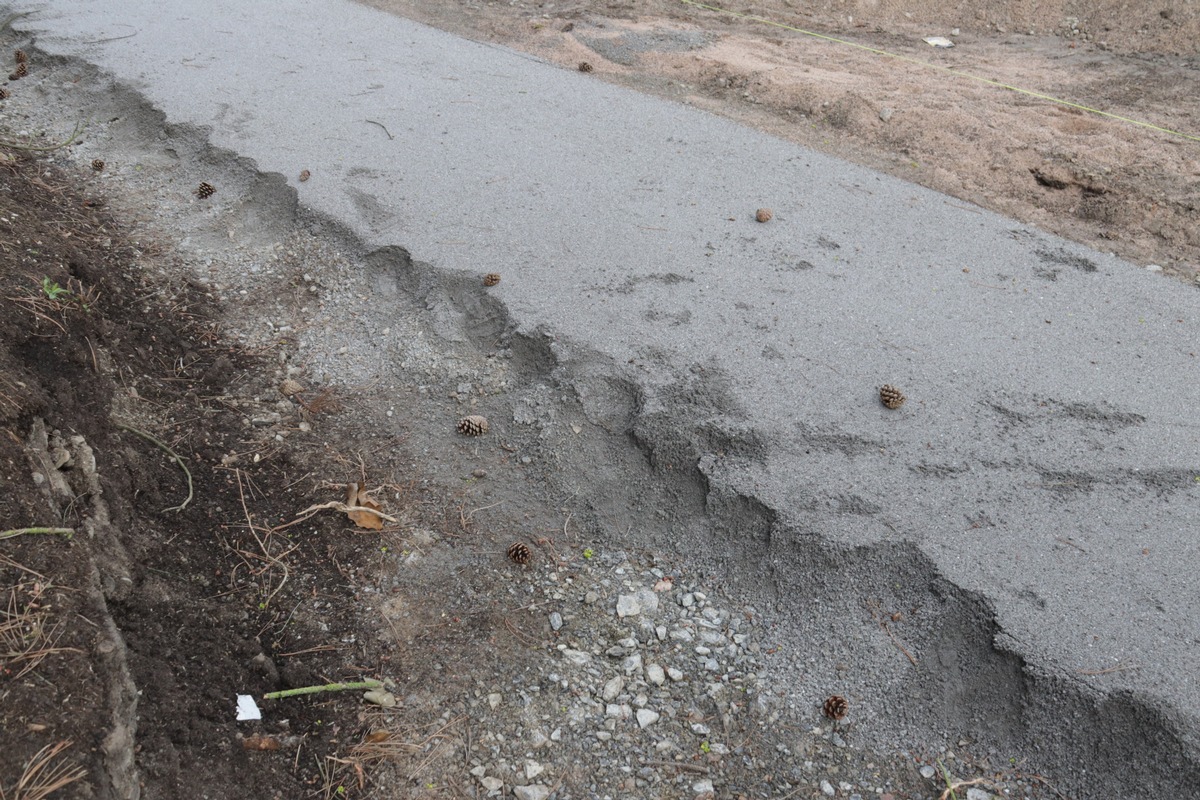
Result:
pixel 835 707
pixel 21 57
pixel 3 93
pixel 890 396
pixel 98 164
pixel 304 175
pixel 20 72
pixel 473 425
pixel 491 279
pixel 205 189
pixel 520 553
pixel 763 215
pixel 585 66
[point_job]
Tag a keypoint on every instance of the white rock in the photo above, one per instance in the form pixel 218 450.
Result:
pixel 613 688
pixel 655 674
pixel 494 700
pixel 479 771
pixel 975 793
pixel 688 600
pixel 576 656
pixel 490 783
pixel 632 664
pixel 827 789
pixel 674 674
pixel 643 600
pixel 703 786
pixel 531 792
pixel 556 620
pixel 1153 268
pixel 646 717
pixel 927 771
pixel 533 769
pixel 614 710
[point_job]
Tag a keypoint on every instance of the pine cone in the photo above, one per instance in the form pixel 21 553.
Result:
pixel 98 164
pixel 21 57
pixel 763 215
pixel 491 279
pixel 836 707
pixel 20 72
pixel 3 93
pixel 520 553
pixel 290 388
pixel 473 425
pixel 890 396
pixel 205 189
pixel 585 66
pixel 304 175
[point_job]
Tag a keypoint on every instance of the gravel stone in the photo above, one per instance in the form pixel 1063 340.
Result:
pixel 535 792
pixel 646 717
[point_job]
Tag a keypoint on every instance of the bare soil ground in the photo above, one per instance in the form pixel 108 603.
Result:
pixel 890 102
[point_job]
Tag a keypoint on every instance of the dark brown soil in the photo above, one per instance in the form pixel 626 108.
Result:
pixel 136 640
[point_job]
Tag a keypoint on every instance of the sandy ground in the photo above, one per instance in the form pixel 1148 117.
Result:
pixel 884 98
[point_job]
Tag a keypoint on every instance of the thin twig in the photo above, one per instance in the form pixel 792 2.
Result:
pixel 79 126
pixel 950 787
pixel 174 456
pixel 897 643
pixel 685 767
pixel 114 38
pixel 873 606
pixel 67 532
pixel 380 124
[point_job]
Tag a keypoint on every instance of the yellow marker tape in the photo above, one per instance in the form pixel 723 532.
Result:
pixel 951 70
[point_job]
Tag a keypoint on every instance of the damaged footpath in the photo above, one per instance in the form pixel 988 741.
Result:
pixel 193 371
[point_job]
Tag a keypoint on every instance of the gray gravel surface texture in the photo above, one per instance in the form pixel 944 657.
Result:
pixel 1044 471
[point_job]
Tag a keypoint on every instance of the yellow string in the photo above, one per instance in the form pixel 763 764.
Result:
pixel 951 70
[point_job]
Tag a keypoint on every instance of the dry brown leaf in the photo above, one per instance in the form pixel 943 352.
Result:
pixel 356 496
pixel 375 737
pixel 260 743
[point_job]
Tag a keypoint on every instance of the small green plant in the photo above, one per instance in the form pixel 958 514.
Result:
pixel 588 552
pixel 53 291
pixel 705 747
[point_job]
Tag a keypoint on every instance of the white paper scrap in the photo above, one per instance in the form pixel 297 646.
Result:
pixel 938 41
pixel 247 708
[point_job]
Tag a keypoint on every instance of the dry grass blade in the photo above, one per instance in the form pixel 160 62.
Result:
pixel 46 773
pixel 25 638
pixel 952 789
pixel 386 744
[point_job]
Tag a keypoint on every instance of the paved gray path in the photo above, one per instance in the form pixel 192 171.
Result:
pixel 1049 454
